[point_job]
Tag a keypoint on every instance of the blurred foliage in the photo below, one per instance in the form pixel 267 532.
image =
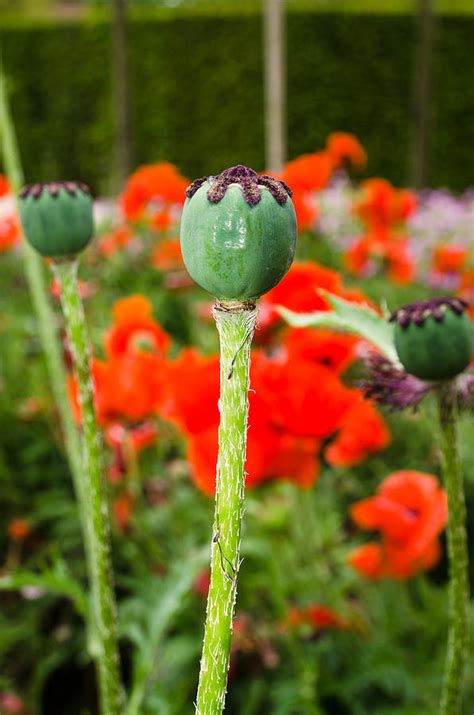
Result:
pixel 36 7
pixel 206 111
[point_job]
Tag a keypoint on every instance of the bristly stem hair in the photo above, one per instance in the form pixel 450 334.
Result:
pixel 103 615
pixel 458 637
pixel 235 323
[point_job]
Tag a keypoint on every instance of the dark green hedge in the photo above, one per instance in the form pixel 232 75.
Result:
pixel 197 97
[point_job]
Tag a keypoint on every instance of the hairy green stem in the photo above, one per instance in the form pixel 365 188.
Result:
pixel 93 489
pixel 37 285
pixel 236 323
pixel 458 637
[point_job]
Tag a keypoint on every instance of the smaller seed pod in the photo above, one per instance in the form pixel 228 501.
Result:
pixel 434 338
pixel 238 233
pixel 57 217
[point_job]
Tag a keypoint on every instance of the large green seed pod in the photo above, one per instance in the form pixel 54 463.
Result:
pixel 434 338
pixel 238 233
pixel 57 217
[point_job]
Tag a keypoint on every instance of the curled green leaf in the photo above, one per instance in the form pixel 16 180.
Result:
pixel 348 317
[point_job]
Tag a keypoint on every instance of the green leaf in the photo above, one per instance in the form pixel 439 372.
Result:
pixel 161 612
pixel 55 581
pixel 350 318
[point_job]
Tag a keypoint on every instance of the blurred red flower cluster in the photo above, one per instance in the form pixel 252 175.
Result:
pixel 383 211
pixel 298 401
pixel 310 173
pixel 153 197
pixel 300 409
pixel 451 267
pixel 152 193
pixel 19 529
pixel 316 616
pixel 9 226
pixel 409 510
pixel 130 382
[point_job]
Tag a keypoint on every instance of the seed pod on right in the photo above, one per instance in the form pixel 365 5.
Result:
pixel 434 338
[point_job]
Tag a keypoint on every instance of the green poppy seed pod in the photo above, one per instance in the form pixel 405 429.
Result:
pixel 434 338
pixel 238 233
pixel 57 217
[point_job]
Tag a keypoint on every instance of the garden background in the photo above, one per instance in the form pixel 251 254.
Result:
pixel 320 628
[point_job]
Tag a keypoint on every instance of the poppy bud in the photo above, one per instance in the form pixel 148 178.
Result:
pixel 434 338
pixel 238 233
pixel 57 217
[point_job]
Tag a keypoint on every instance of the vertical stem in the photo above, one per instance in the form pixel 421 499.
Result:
pixel 275 76
pixel 236 323
pixel 423 81
pixel 458 637
pixel 121 90
pixel 103 607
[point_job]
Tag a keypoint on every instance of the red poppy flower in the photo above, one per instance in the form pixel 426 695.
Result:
pixel 306 210
pixel 407 204
pixel 316 615
pixel 381 248
pixel 104 392
pixel 305 175
pixel 135 438
pixel 134 329
pixel 296 459
pixel 302 289
pixel 130 384
pixel 201 455
pixel 202 583
pixel 305 399
pixel 139 382
pixel 409 510
pixel 110 243
pixel 202 458
pixel 19 529
pixel 291 410
pixel 298 291
pixel 334 350
pixel 161 220
pixel 382 204
pixel 9 232
pixel 362 432
pixel 449 258
pixel 167 255
pixel 122 509
pixel 401 266
pixel 295 402
pixel 4 186
pixel 271 450
pixel 368 560
pixel 343 147
pixel 193 391
pixel 358 258
pixel 308 172
pixel 466 289
pixel 270 455
pixel 156 186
